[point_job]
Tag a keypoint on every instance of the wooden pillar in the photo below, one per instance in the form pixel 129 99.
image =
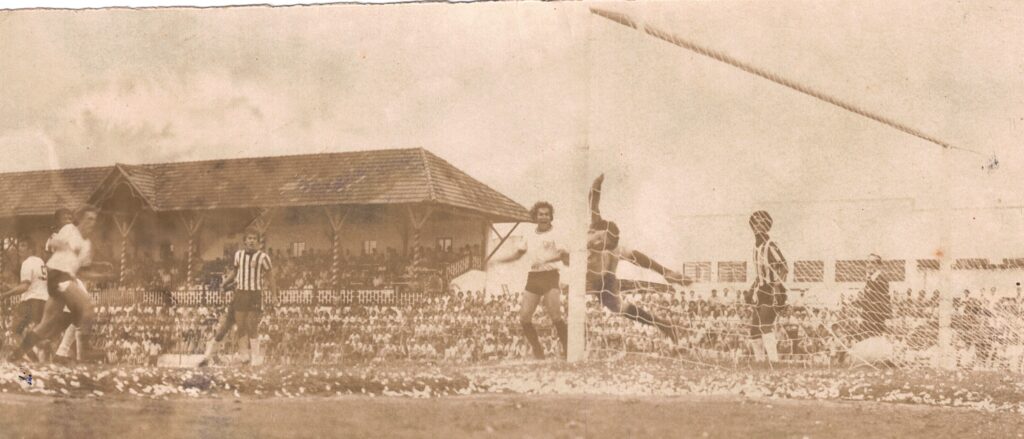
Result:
pixel 336 217
pixel 418 219
pixel 485 234
pixel 193 222
pixel 124 222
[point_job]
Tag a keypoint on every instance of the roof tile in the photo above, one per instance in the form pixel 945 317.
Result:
pixel 395 176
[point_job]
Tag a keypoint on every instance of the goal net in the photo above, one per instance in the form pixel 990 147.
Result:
pixel 787 311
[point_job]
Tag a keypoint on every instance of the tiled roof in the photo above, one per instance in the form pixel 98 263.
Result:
pixel 452 186
pixel 142 180
pixel 42 192
pixel 395 176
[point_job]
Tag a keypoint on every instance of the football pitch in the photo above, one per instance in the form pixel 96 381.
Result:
pixel 633 397
pixel 492 416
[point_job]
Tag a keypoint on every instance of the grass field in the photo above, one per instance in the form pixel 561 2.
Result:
pixel 633 397
pixel 492 416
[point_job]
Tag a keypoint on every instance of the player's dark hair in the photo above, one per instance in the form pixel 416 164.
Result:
pixel 251 231
pixel 27 241
pixel 82 211
pixel 603 225
pixel 761 217
pixel 61 212
pixel 540 205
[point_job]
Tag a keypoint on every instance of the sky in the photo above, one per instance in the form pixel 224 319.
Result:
pixel 536 99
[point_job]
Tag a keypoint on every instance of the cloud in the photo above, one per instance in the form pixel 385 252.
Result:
pixel 196 116
pixel 29 149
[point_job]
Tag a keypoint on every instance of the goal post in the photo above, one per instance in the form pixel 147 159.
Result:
pixel 947 353
pixel 577 301
pixel 579 225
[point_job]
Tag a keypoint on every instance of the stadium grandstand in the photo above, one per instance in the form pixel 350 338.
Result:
pixel 356 221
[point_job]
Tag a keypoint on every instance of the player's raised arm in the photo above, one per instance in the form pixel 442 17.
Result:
pixel 97 272
pixel 595 199
pixel 18 289
pixel 520 251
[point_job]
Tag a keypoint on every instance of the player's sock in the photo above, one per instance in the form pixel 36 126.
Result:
pixel 771 346
pixel 254 350
pixel 243 350
pixel 211 348
pixel 563 335
pixel 85 351
pixel 79 347
pixel 64 350
pixel 25 347
pixel 757 345
pixel 531 336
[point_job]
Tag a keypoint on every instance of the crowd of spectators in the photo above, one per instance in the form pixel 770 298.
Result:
pixel 307 269
pixel 473 327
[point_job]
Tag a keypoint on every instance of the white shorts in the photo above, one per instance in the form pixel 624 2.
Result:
pixel 64 287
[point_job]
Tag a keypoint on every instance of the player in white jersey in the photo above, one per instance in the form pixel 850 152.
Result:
pixel 63 217
pixel 250 273
pixel 72 252
pixel 603 254
pixel 32 289
pixel 545 251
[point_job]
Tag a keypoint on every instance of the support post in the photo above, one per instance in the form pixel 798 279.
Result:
pixel 502 239
pixel 193 222
pixel 124 227
pixel 484 238
pixel 336 217
pixel 261 220
pixel 418 220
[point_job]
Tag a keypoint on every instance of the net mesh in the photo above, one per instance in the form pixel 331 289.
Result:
pixel 715 330
pixel 853 316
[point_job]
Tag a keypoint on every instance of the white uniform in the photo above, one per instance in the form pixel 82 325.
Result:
pixel 70 250
pixel 542 246
pixel 33 270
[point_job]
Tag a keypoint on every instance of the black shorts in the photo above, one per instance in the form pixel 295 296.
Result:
pixel 774 296
pixel 53 280
pixel 29 312
pixel 540 282
pixel 246 301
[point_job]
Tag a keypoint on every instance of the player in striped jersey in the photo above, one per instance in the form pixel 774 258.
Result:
pixel 251 272
pixel 767 294
pixel 875 303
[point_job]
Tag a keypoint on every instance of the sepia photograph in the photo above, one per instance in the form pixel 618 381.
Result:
pixel 658 219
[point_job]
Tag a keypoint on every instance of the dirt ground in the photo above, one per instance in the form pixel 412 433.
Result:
pixel 491 416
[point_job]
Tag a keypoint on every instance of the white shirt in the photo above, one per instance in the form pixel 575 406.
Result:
pixel 33 270
pixel 541 246
pixel 70 250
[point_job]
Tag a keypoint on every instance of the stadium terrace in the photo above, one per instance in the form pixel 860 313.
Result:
pixel 354 220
